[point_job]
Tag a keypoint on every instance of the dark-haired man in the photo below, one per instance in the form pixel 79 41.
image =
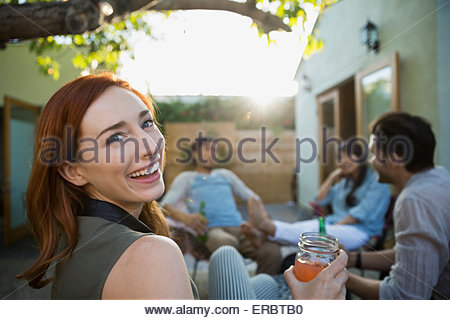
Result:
pixel 402 147
pixel 217 188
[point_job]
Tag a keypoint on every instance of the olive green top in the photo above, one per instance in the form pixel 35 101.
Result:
pixel 100 244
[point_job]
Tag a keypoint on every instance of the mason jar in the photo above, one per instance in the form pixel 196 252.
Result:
pixel 315 252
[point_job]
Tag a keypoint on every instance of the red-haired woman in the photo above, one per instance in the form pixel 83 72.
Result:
pixel 97 171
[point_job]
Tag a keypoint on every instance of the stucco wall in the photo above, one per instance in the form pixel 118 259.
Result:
pixel 19 76
pixel 405 26
pixel 443 70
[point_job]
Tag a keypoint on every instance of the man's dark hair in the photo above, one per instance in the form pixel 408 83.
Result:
pixel 418 141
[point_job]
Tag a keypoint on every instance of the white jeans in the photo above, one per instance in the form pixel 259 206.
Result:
pixel 288 233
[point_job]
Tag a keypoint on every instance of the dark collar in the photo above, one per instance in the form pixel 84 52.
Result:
pixel 113 213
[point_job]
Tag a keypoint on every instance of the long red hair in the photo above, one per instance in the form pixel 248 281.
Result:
pixel 53 203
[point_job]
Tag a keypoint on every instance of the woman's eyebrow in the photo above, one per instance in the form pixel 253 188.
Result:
pixel 121 124
pixel 143 113
pixel 118 125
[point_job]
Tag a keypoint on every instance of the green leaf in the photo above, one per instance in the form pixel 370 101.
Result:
pixel 79 40
pixel 79 61
pixel 48 66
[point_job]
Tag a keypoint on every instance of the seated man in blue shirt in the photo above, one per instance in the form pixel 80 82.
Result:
pixel 216 188
pixel 358 201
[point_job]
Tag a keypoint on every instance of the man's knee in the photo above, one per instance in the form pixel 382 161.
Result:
pixel 268 257
pixel 217 240
pixel 269 246
pixel 270 250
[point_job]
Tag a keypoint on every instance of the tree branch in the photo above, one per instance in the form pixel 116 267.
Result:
pixel 43 19
pixel 266 20
pixel 123 8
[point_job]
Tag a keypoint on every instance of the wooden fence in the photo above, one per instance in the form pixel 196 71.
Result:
pixel 270 177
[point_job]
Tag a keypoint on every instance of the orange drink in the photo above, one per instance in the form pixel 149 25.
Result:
pixel 306 271
pixel 316 252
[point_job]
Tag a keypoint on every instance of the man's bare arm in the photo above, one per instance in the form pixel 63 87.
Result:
pixel 378 260
pixel 363 287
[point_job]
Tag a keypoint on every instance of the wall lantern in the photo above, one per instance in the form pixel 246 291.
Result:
pixel 305 83
pixel 369 36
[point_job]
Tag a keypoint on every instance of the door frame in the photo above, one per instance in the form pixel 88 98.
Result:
pixel 390 61
pixel 332 94
pixel 11 235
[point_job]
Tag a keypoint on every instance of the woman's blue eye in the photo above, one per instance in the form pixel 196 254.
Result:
pixel 114 138
pixel 147 123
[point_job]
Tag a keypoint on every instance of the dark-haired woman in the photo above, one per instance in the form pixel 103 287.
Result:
pixel 358 201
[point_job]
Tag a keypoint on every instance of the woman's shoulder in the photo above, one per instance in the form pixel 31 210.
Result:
pixel 153 244
pixel 100 245
pixel 150 262
pixel 160 248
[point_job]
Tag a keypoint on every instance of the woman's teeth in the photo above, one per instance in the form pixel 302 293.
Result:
pixel 149 170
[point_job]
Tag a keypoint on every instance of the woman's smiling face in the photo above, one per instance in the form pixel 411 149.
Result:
pixel 121 151
pixel 348 165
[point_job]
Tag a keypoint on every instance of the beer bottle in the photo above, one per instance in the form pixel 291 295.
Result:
pixel 202 238
pixel 322 225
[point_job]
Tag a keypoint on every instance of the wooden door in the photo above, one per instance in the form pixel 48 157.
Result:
pixel 19 123
pixel 329 128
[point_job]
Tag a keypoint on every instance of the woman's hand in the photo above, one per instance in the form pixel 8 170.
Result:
pixel 326 185
pixel 197 222
pixel 347 220
pixel 335 174
pixel 328 284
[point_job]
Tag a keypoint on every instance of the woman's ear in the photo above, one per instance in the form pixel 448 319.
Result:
pixel 70 173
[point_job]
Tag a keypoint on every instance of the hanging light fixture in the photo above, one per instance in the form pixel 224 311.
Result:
pixel 369 36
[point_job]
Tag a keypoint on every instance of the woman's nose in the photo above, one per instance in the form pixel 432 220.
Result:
pixel 151 145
